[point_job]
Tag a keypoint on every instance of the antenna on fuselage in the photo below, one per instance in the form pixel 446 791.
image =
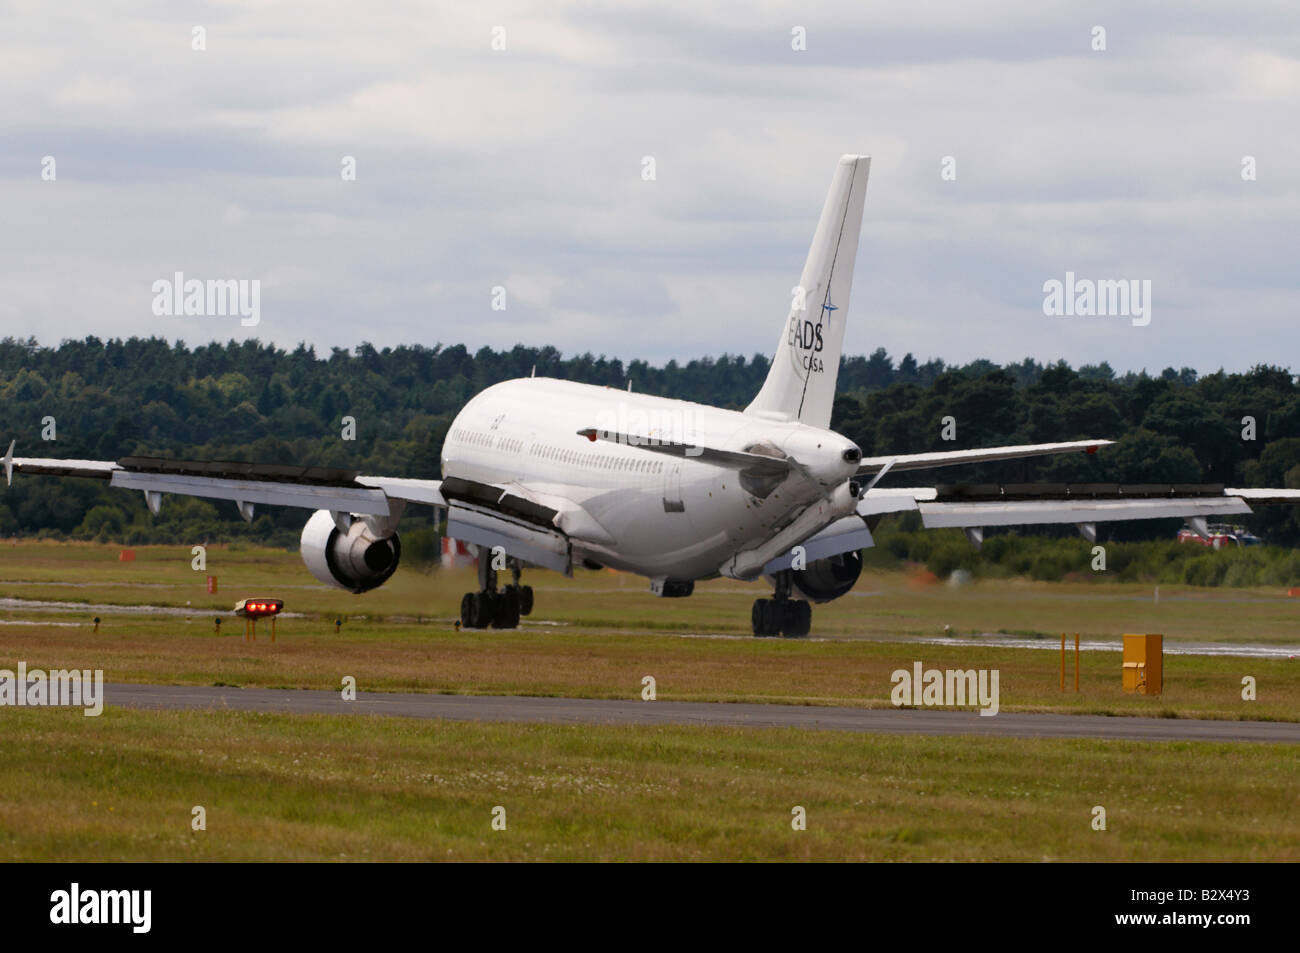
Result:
pixel 629 385
pixel 533 372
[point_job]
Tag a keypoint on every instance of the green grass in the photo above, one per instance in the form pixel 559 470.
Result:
pixel 1049 558
pixel 884 604
pixel 608 633
pixel 435 658
pixel 122 787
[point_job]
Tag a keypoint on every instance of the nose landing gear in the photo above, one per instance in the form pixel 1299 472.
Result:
pixel 782 615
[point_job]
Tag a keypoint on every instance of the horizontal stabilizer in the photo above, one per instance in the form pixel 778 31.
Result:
pixel 728 458
pixel 951 458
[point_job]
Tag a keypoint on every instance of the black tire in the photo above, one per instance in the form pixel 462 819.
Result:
pixel 772 615
pixel 780 616
pixel 467 611
pixel 487 607
pixel 506 610
pixel 798 619
pixel 525 600
pixel 758 617
pixel 789 619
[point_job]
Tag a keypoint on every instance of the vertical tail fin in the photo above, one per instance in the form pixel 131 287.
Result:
pixel 801 384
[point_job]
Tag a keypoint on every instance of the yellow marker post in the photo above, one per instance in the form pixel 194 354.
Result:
pixel 1062 661
pixel 1076 661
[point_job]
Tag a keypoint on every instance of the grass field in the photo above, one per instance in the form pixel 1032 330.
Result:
pixel 123 787
pixel 599 634
pixel 888 604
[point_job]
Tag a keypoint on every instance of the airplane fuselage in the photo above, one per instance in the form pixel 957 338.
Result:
pixel 656 514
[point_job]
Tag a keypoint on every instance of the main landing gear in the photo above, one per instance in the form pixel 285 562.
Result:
pixel 782 615
pixel 490 607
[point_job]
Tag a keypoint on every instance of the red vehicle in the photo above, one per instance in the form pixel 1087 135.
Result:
pixel 1219 535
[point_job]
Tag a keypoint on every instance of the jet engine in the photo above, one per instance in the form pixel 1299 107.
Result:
pixel 826 579
pixel 355 559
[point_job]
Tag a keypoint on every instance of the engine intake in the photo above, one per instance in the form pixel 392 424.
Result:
pixel 829 578
pixel 357 560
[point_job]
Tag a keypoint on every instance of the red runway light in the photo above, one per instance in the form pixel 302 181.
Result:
pixel 259 607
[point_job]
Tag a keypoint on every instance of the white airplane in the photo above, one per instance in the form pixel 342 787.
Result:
pixel 549 473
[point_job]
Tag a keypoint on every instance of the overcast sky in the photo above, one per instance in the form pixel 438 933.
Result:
pixel 522 168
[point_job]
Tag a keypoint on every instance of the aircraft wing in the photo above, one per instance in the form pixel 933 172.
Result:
pixel 972 507
pixel 949 458
pixel 975 506
pixel 1264 495
pixel 527 523
pixel 245 484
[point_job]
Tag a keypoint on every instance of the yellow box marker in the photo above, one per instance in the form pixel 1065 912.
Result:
pixel 1143 664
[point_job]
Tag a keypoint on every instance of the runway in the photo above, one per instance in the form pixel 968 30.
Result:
pixel 588 711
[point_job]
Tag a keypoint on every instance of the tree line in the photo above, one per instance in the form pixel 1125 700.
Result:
pixel 106 399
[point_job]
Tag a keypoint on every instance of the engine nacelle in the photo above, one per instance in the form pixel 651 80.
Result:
pixel 829 578
pixel 357 560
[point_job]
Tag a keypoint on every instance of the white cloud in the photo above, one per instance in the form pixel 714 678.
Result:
pixel 477 167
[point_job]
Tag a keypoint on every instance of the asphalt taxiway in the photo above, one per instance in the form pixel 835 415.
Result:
pixel 589 711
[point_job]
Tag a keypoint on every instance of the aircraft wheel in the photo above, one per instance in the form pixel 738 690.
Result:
pixel 486 609
pixel 774 616
pixel 506 610
pixel 758 617
pixel 798 619
pixel 468 610
pixel 525 600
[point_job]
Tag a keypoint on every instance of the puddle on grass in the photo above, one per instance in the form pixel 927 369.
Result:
pixel 41 605
pixel 1021 642
pixel 1047 643
pixel 43 622
pixel 1105 645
